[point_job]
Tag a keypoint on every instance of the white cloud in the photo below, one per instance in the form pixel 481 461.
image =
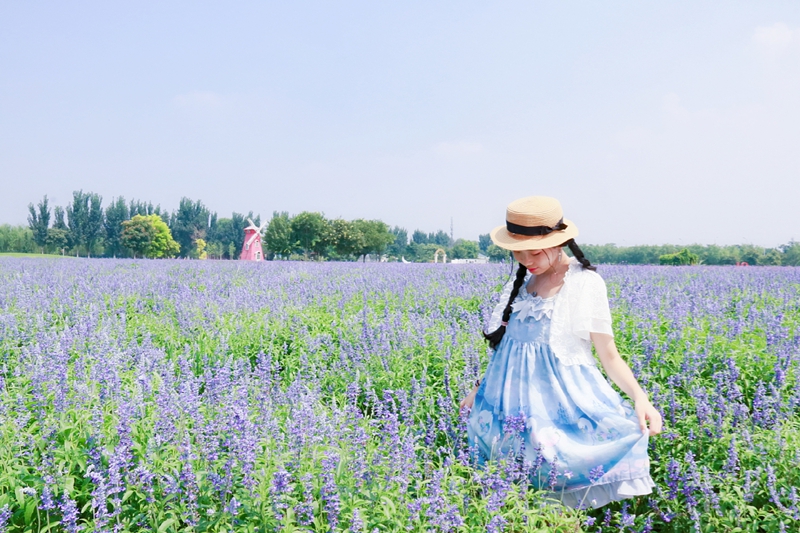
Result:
pixel 774 39
pixel 458 148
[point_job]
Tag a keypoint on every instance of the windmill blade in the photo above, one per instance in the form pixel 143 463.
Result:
pixel 251 222
pixel 252 238
pixel 264 225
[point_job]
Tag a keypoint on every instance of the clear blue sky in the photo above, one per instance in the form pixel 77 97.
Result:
pixel 652 122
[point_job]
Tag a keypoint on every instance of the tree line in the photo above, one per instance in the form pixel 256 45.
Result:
pixel 138 229
pixel 126 229
pixel 309 235
pixel 786 254
pixel 84 227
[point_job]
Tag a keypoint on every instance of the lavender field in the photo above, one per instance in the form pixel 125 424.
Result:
pixel 230 396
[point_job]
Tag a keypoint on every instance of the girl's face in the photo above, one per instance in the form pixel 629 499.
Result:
pixel 537 261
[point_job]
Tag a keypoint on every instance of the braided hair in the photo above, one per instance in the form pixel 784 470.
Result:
pixel 578 253
pixel 496 336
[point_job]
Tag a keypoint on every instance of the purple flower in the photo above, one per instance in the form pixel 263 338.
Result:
pixel 595 474
pixel 69 514
pixel 732 464
pixel 552 477
pixel 279 492
pixel 5 514
pixel 330 492
pixel 48 503
pixel 497 524
pixel 233 507
pixel 514 425
pixel 626 519
pixel 356 524
pixel 305 509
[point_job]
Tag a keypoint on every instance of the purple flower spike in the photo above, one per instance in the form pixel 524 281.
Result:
pixel 595 474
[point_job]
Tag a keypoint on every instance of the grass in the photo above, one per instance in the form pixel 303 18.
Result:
pixel 17 254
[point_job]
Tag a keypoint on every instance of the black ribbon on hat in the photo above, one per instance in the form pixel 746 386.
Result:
pixel 533 231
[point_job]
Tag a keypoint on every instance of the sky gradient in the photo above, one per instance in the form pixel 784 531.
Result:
pixel 651 123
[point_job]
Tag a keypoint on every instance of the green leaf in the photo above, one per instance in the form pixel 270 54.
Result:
pixel 29 510
pixel 165 525
pixel 51 526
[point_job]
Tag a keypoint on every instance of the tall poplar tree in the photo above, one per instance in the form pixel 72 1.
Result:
pixel 39 221
pixel 189 223
pixel 94 222
pixel 116 213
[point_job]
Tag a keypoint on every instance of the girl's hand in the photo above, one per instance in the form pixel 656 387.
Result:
pixel 467 402
pixel 645 411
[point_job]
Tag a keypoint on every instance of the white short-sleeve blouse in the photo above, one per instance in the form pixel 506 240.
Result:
pixel 580 308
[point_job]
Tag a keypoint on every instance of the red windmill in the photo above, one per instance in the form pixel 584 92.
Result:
pixel 251 251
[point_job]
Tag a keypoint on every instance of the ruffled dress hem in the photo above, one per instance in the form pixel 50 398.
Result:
pixel 599 495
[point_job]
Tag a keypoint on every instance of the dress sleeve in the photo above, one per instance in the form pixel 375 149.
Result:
pixel 592 313
pixel 497 314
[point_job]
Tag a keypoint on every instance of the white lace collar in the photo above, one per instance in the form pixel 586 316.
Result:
pixel 528 304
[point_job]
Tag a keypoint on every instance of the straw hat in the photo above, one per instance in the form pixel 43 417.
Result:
pixel 533 223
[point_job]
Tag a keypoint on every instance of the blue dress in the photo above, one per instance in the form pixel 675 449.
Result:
pixel 566 417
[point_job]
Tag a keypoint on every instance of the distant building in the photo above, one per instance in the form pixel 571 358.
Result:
pixel 251 250
pixel 478 261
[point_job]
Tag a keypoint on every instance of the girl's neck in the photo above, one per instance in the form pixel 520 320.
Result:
pixel 549 282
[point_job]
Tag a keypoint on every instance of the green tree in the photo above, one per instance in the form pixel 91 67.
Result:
pixel 463 249
pixel 770 257
pixel 162 245
pixel 39 221
pixel 398 248
pixel 215 250
pixel 682 257
pixel 77 218
pixel 58 218
pixel 189 223
pixel 85 216
pixel 345 238
pixel 423 253
pixel 149 236
pixel 137 235
pixel 220 235
pixel 484 241
pixel 376 236
pixel 496 253
pixel 138 207
pixel 419 237
pixel 16 239
pixel 750 254
pixel 278 235
pixel 116 213
pixel 94 223
pixel 309 231
pixel 441 238
pixel 791 253
pixel 199 251
pixel 57 239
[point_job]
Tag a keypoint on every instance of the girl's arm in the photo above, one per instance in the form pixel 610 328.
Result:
pixel 620 373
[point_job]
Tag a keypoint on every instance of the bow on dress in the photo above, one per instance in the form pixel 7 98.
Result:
pixel 534 306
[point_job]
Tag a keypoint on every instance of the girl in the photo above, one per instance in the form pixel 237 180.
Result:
pixel 542 379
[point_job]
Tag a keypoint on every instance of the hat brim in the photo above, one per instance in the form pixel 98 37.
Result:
pixel 511 241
